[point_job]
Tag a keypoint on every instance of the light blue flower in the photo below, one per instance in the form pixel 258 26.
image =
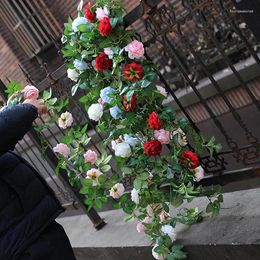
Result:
pixel 131 140
pixel 78 21
pixel 170 174
pixel 106 93
pixel 80 65
pixel 115 112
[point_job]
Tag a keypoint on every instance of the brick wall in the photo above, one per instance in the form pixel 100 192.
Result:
pixel 8 63
pixel 11 54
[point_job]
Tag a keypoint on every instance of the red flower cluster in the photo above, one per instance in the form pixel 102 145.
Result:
pixel 133 71
pixel 129 106
pixel 88 14
pixel 105 27
pixel 103 62
pixel 154 122
pixel 190 159
pixel 152 148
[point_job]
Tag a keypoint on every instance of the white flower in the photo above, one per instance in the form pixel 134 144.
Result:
pixel 109 53
pixel 170 231
pixel 80 65
pixel 78 21
pixel 102 13
pixel 117 191
pixel 73 74
pixel 123 150
pixel 65 120
pixel 199 173
pixel 156 255
pixel 95 112
pixel 182 139
pixel 135 196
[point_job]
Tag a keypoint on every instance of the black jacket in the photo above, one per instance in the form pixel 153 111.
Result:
pixel 27 205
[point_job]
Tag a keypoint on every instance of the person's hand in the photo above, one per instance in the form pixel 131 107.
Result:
pixel 39 104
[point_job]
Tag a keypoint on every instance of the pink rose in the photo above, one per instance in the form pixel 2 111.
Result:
pixel 135 50
pixel 164 216
pixel 101 13
pixel 140 227
pixel 162 135
pixel 93 175
pixel 90 156
pixel 161 90
pixel 62 149
pixel 117 191
pixel 30 92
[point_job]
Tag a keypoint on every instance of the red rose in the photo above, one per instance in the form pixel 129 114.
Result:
pixel 190 159
pixel 103 62
pixel 152 148
pixel 105 27
pixel 133 71
pixel 129 106
pixel 154 122
pixel 88 14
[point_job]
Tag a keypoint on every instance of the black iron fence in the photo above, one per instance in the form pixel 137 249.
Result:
pixel 208 61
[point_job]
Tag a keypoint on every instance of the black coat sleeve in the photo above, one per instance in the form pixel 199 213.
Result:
pixel 15 122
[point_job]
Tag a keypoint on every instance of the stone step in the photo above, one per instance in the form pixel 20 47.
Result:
pixel 234 234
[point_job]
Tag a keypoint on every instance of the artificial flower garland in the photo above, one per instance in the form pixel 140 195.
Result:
pixel 148 140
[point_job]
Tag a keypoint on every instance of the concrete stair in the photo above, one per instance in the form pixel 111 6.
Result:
pixel 233 235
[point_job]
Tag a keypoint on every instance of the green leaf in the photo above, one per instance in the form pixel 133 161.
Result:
pixel 86 38
pixel 84 190
pixel 123 198
pixel 129 95
pixel 105 168
pixel 113 22
pixel 145 83
pixel 127 170
pixel 86 182
pixel 52 101
pixel 89 202
pixel 124 90
pixel 220 198
pixel 137 184
pixel 107 160
pixel 83 86
pixel 83 99
pixel 46 94
pixel 13 87
pixel 165 207
pixel 65 139
pixel 74 89
pixel 83 28
pixel 98 203
pixel 177 252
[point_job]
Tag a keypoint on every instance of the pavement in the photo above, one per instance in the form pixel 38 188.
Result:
pixel 237 224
